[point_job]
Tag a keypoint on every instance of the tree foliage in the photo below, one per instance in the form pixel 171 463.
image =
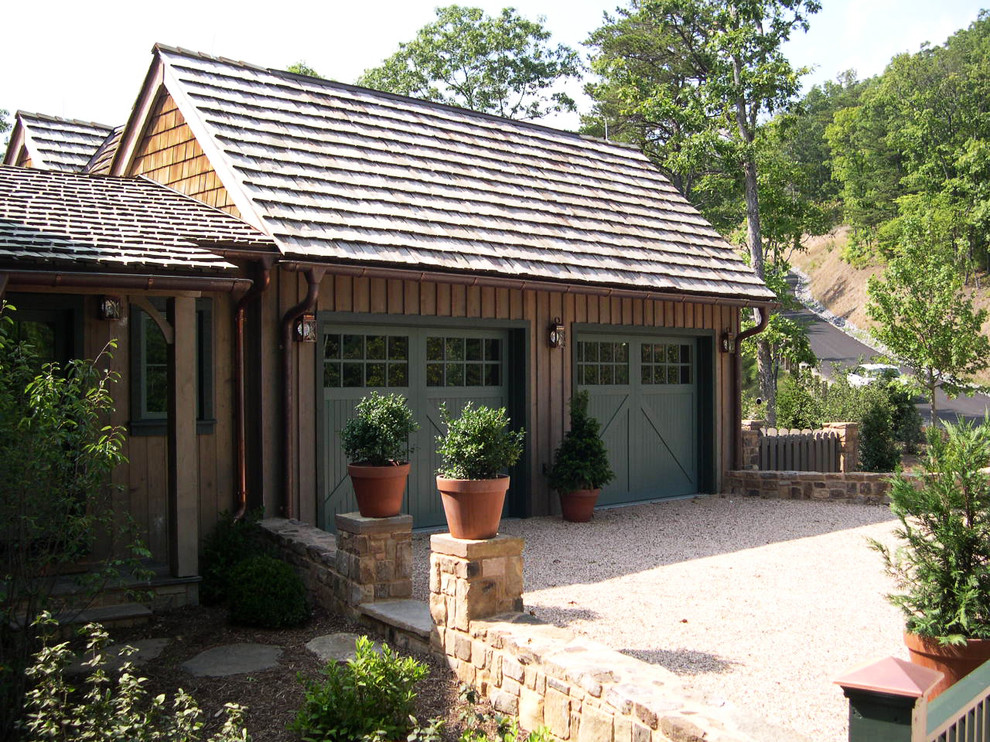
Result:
pixel 924 317
pixel 502 65
pixel 301 68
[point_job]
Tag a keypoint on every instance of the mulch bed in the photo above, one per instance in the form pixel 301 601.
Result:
pixel 273 696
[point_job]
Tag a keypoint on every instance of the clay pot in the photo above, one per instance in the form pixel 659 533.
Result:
pixel 379 489
pixel 473 506
pixel 955 662
pixel 578 506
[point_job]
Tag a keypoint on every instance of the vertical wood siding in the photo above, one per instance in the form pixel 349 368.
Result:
pixel 550 370
pixel 170 154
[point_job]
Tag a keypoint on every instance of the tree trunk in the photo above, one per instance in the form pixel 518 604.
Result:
pixel 931 404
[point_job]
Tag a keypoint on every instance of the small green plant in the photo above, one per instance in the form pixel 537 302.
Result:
pixel 581 460
pixel 504 728
pixel 877 449
pixel 478 444
pixel 370 697
pixel 799 401
pixel 109 708
pixel 379 434
pixel 230 542
pixel 266 592
pixel 943 563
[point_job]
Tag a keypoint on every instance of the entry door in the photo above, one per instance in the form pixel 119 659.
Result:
pixel 644 392
pixel 430 367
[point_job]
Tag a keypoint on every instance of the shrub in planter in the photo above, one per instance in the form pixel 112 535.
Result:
pixel 376 443
pixel 370 696
pixel 266 592
pixel 942 565
pixel 580 464
pixel 475 451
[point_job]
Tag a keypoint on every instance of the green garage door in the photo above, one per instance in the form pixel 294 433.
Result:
pixel 644 390
pixel 430 367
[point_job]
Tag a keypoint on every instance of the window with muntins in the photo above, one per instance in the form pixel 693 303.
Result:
pixel 359 360
pixel 463 361
pixel 601 363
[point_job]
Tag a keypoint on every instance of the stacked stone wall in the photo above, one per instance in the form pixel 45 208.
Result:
pixel 853 487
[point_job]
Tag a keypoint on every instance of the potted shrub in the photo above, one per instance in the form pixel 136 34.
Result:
pixel 942 565
pixel 477 448
pixel 376 442
pixel 580 464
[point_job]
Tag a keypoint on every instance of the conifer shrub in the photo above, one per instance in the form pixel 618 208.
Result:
pixel 581 460
pixel 266 592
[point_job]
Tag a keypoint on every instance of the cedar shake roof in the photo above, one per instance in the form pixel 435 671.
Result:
pixel 59 144
pixel 101 160
pixel 344 174
pixel 52 218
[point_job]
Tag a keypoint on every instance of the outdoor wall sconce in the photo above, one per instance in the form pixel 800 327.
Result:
pixel 111 308
pixel 306 329
pixel 728 342
pixel 557 336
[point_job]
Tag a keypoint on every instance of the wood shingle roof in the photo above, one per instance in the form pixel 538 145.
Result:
pixel 54 218
pixel 343 174
pixel 60 144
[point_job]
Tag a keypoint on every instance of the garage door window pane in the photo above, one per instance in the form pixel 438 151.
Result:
pixel 353 374
pixel 375 374
pixel 398 348
pixel 354 346
pixel 455 349
pixel 374 360
pixel 434 374
pixel 455 374
pixel 467 362
pixel 671 364
pixel 602 363
pixel 473 350
pixel 376 347
pixel 331 375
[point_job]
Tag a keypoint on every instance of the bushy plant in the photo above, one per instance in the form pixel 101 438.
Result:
pixel 57 455
pixel 266 592
pixel 877 448
pixel 799 402
pixel 943 562
pixel 231 541
pixel 368 697
pixel 907 420
pixel 379 434
pixel 581 460
pixel 109 708
pixel 478 444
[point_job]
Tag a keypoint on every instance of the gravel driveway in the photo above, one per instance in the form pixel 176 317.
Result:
pixel 758 603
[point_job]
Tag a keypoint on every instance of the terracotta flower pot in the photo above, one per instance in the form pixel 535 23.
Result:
pixel 956 662
pixel 379 489
pixel 473 506
pixel 577 506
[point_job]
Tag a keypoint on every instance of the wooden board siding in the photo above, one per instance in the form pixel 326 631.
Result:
pixel 143 480
pixel 24 159
pixel 170 154
pixel 550 370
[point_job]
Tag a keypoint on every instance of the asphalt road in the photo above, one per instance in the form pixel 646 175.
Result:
pixel 835 348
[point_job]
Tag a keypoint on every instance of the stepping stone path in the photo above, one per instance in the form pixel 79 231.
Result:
pixel 147 650
pixel 336 647
pixel 233 659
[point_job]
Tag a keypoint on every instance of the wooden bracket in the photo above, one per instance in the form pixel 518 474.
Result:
pixel 158 317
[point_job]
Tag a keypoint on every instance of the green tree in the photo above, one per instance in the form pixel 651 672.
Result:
pixel 694 79
pixel 924 318
pixel 503 65
pixel 301 68
pixel 4 124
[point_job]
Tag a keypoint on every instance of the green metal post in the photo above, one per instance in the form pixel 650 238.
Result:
pixel 887 701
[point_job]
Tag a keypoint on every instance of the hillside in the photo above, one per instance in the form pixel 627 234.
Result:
pixel 842 288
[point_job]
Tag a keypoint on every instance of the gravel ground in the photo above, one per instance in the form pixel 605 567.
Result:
pixel 758 603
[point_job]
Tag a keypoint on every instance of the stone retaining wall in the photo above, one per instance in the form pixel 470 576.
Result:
pixel 582 690
pixel 853 487
pixel 369 559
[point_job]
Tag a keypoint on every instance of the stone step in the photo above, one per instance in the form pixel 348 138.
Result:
pixel 409 616
pixel 120 614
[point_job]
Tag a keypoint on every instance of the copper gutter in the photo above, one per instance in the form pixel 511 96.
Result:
pixel 737 372
pixel 522 284
pixel 313 277
pixel 240 404
pixel 135 282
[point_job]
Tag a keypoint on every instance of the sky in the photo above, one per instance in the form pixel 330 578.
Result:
pixel 86 61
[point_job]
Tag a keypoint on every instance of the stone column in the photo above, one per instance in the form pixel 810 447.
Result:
pixel 471 580
pixel 751 443
pixel 374 558
pixel 848 445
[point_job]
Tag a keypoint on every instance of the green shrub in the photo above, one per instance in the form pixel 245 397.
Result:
pixel 266 592
pixel 379 434
pixel 581 460
pixel 799 402
pixel 877 448
pixel 907 420
pixel 229 543
pixel 478 444
pixel 369 697
pixel 109 709
pixel 942 565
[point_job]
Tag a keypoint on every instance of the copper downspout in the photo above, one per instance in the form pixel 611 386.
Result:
pixel 737 372
pixel 313 278
pixel 240 312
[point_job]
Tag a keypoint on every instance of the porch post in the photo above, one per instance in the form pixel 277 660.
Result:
pixel 183 490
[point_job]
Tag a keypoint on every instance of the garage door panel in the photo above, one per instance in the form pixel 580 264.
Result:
pixel 643 390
